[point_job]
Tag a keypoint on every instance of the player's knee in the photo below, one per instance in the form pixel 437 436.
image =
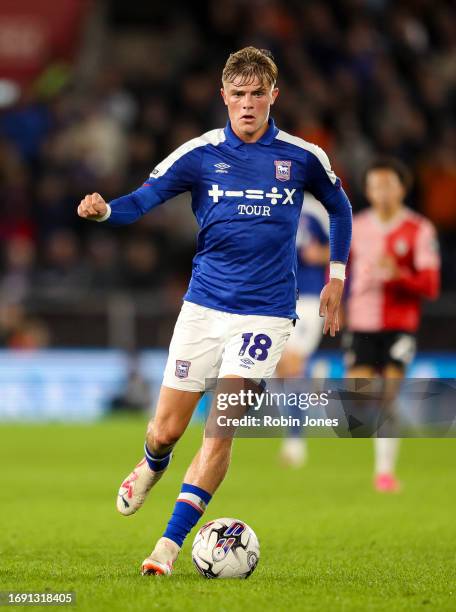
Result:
pixel 164 437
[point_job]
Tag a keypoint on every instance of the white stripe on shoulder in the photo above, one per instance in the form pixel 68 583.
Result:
pixel 214 137
pixel 312 148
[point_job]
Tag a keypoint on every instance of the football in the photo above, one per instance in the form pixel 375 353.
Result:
pixel 225 548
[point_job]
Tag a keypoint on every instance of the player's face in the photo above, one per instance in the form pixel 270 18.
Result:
pixel 248 107
pixel 384 190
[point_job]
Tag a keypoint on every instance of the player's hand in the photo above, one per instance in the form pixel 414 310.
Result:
pixel 92 207
pixel 330 299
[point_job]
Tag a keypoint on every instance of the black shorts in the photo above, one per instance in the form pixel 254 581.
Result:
pixel 378 349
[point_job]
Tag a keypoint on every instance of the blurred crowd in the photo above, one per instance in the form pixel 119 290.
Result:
pixel 357 77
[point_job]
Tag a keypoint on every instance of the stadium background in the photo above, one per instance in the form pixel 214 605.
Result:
pixel 94 94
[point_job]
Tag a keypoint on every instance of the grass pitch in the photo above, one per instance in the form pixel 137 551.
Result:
pixel 328 541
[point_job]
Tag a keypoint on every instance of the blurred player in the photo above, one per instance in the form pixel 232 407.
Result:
pixel 394 265
pixel 247 183
pixel 312 242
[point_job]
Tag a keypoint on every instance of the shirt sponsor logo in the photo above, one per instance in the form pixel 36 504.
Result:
pixel 182 368
pixel 222 168
pixel 283 170
pixel 271 197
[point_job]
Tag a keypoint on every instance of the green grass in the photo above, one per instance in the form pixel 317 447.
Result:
pixel 328 541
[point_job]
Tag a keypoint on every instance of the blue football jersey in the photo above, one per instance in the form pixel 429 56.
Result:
pixel 247 200
pixel 313 227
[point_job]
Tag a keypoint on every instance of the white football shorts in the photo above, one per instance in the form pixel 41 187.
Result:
pixel 307 334
pixel 210 344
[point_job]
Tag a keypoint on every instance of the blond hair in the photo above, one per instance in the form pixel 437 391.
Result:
pixel 249 63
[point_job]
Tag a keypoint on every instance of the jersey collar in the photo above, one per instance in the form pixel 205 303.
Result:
pixel 392 224
pixel 266 139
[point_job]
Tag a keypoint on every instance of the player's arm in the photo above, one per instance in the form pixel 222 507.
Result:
pixel 424 280
pixel 176 174
pixel 327 188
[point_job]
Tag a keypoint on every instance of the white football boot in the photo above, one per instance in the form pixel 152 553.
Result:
pixel 135 487
pixel 161 560
pixel 293 452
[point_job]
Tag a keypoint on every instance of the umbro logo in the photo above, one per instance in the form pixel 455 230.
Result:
pixel 222 168
pixel 246 363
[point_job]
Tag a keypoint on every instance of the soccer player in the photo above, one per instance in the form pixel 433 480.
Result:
pixel 247 183
pixel 312 243
pixel 394 265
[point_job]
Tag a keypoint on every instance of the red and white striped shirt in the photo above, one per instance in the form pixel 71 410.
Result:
pixel 377 302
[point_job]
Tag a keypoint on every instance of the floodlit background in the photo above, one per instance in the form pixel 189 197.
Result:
pixel 94 93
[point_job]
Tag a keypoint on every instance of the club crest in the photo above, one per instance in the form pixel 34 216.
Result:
pixel 401 247
pixel 182 368
pixel 283 170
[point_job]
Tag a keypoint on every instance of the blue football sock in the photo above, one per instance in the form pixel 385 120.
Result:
pixel 190 505
pixel 157 463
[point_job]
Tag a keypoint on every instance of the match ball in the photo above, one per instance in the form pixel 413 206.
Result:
pixel 226 548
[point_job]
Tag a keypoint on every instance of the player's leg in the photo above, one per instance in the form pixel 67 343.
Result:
pixel 293 452
pixel 291 364
pixel 399 350
pixel 361 356
pixel 386 444
pixel 203 477
pixel 263 340
pixel 385 448
pixel 363 414
pixel 194 345
pixel 174 411
pixel 303 342
pixel 254 345
pixel 362 360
